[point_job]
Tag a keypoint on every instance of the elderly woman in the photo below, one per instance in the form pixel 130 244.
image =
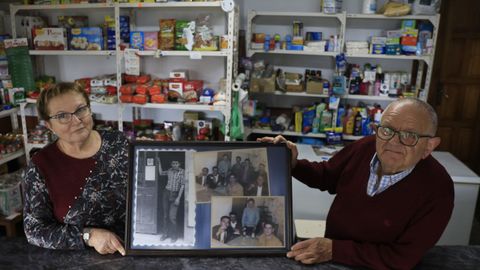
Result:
pixel 75 187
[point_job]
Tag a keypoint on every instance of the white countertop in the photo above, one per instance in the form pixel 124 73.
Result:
pixel 457 170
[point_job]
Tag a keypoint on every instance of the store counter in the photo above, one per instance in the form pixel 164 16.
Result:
pixel 16 253
pixel 466 184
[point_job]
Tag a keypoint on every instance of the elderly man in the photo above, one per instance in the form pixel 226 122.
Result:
pixel 393 199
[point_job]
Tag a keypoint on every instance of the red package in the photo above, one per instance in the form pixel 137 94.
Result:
pixel 154 90
pixel 129 78
pixel 111 90
pixel 160 98
pixel 195 85
pixel 143 79
pixel 141 89
pixel 127 89
pixel 85 82
pixel 140 99
pixel 126 98
pixel 409 41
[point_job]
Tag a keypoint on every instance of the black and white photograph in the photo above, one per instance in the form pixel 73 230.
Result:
pixel 245 208
pixel 231 173
pixel 161 197
pixel 247 222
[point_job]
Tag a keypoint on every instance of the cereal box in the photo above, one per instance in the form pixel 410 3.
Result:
pixel 151 41
pixel 137 40
pixel 86 38
pixel 49 39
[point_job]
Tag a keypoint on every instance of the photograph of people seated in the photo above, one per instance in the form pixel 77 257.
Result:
pixel 247 222
pixel 159 210
pixel 231 173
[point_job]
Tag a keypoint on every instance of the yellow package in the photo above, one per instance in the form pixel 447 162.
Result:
pixel 298 121
pixel 393 9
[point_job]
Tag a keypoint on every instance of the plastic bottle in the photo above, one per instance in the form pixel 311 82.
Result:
pixel 266 44
pixel 369 6
pixel 357 129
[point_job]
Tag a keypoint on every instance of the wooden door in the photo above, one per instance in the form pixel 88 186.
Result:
pixel 455 87
pixel 147 196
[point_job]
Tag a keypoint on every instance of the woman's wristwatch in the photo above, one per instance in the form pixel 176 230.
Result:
pixel 86 235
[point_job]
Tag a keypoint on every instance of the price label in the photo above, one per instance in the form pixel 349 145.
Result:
pixel 195 56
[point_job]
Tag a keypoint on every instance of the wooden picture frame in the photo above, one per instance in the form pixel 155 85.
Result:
pixel 209 198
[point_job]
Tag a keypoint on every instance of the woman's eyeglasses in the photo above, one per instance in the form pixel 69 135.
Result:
pixel 65 117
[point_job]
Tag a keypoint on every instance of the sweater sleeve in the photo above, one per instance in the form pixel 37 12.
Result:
pixel 324 175
pixel 421 234
pixel 41 227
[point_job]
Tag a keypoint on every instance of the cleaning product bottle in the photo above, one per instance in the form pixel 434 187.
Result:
pixel 357 129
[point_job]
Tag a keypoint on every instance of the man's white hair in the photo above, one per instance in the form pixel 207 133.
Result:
pixel 419 104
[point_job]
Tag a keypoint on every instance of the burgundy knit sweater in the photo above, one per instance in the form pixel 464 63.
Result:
pixel 391 230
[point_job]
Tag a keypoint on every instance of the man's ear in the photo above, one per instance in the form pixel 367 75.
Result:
pixel 432 143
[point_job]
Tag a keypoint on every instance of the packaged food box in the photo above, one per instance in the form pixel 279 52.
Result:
pixel 10 194
pixel 150 41
pixel 180 38
pixel 137 40
pixel 86 38
pixel 49 39
pixel 167 34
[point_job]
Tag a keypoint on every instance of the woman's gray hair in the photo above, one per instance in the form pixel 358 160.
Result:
pixel 420 104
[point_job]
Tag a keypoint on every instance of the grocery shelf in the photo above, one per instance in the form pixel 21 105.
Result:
pixel 71 53
pixel 171 4
pixel 433 19
pixel 191 54
pixel 425 58
pixel 179 106
pixel 291 94
pixel 17 7
pixel 287 133
pixel 371 98
pixel 292 52
pixel 7 113
pixel 11 156
pixel 296 14
pixel 351 137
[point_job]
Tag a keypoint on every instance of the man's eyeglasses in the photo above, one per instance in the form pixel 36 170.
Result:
pixel 406 138
pixel 65 117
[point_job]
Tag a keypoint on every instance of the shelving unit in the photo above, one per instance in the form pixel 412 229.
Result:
pixel 162 10
pixel 12 113
pixel 346 21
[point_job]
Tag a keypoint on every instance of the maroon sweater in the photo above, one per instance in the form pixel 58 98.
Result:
pixel 391 230
pixel 65 177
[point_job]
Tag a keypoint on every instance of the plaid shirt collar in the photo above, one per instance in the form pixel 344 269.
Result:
pixel 386 181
